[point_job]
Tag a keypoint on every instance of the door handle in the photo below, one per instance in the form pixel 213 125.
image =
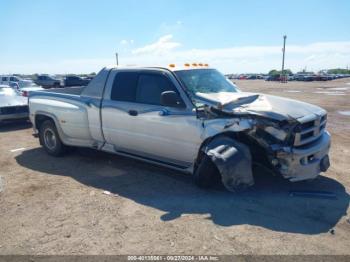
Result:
pixel 133 112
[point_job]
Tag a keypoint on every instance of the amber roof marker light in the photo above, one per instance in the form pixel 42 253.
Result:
pixel 172 65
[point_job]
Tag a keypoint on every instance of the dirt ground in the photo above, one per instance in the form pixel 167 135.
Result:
pixel 58 206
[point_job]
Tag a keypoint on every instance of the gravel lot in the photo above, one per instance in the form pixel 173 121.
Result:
pixel 58 206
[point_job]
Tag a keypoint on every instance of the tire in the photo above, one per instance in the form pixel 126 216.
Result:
pixel 50 140
pixel 206 175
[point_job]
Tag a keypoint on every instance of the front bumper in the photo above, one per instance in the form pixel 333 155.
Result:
pixel 305 162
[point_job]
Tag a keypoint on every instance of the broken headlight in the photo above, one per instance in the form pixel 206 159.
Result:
pixel 277 133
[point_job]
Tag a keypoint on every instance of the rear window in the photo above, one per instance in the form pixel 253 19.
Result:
pixel 124 86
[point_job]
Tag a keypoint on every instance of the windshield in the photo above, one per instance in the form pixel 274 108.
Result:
pixel 205 81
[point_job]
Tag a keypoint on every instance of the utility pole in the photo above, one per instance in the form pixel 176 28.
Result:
pixel 116 57
pixel 284 51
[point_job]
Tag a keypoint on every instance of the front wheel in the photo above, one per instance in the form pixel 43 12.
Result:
pixel 207 174
pixel 50 139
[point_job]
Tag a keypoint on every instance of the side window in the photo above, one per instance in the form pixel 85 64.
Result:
pixel 4 79
pixel 124 86
pixel 151 86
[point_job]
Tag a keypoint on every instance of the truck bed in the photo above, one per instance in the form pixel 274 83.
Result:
pixel 75 90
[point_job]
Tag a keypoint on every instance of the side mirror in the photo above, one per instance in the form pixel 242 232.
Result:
pixel 171 99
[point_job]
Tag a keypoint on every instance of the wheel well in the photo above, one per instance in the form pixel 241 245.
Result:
pixel 201 153
pixel 40 119
pixel 238 136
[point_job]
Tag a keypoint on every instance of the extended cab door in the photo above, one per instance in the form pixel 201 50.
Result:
pixel 135 122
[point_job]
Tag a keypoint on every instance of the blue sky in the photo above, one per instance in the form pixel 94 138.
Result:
pixel 61 36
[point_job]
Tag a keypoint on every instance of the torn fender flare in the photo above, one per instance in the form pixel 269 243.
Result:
pixel 233 160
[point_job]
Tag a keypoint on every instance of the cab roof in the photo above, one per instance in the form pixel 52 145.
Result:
pixel 171 67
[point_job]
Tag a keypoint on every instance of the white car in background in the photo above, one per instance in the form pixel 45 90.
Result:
pixel 12 105
pixel 7 79
pixel 25 87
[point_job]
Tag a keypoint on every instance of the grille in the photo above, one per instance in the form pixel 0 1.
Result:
pixel 310 130
pixel 14 110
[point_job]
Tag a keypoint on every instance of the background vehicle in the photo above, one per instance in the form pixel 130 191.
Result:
pixel 323 77
pixel 12 104
pixel 273 78
pixel 47 81
pixel 75 81
pixel 242 77
pixel 193 120
pixel 25 88
pixel 305 77
pixel 7 79
pixel 252 77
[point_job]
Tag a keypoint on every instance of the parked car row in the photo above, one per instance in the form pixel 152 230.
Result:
pixel 246 76
pixel 46 81
pixel 296 77
pixel 7 79
pixel 316 77
pixel 23 86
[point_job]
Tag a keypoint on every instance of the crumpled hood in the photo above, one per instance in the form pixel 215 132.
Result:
pixel 12 100
pixel 274 107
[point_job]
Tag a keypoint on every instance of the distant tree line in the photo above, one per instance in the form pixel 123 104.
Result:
pixel 338 71
pixel 274 72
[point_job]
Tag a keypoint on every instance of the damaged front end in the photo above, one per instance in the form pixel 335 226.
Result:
pixel 263 129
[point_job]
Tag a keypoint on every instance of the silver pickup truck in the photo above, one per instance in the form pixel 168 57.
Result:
pixel 190 119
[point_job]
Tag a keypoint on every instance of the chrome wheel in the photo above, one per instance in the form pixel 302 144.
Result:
pixel 50 139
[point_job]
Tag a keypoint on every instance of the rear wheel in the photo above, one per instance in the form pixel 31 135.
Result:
pixel 50 139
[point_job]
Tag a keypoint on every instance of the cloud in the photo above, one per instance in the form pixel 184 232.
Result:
pixel 240 59
pixel 126 42
pixel 163 45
